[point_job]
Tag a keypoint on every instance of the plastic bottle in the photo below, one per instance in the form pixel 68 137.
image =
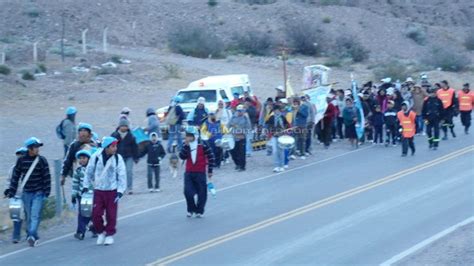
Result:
pixel 212 189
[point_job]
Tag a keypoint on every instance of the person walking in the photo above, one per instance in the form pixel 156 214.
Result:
pixel 84 140
pixel 67 128
pixel 251 112
pixel 432 112
pixel 306 100
pixel 156 153
pixel 128 149
pixel 83 157
pixel 350 117
pixel 418 96
pixel 276 126
pixel 391 125
pixel 174 118
pixel 153 122
pixel 198 156
pixel 213 129
pixel 327 121
pixel 239 125
pixel 300 121
pixel 341 104
pixel 199 114
pixel 407 118
pixel 106 173
pixel 450 104
pixel 17 223
pixel 32 171
pixel 377 121
pixel 466 101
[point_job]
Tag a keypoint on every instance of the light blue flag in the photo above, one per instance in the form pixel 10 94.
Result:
pixel 361 120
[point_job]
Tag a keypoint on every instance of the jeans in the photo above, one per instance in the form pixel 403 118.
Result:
pixel 82 221
pixel 174 132
pixel 129 167
pixel 300 139
pixel 153 170
pixel 248 144
pixel 378 137
pixel 420 124
pixel 340 123
pixel 408 142
pixel 278 153
pixel 195 184
pixel 309 137
pixel 66 148
pixel 33 203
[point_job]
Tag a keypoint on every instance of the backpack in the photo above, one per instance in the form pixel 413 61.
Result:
pixel 60 130
pixel 172 118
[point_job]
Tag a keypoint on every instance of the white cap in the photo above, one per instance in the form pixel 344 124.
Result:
pixel 126 110
pixel 390 91
pixel 240 107
pixel 386 80
pixel 283 100
pixel 280 88
pixel 409 79
pixel 201 100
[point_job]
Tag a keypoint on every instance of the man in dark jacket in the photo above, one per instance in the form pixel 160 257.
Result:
pixel 391 124
pixel 128 149
pixel 198 156
pixel 377 121
pixel 174 118
pixel 432 112
pixel 84 141
pixel 156 153
pixel 35 189
pixel 300 122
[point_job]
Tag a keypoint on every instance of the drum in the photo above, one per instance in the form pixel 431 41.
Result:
pixel 87 202
pixel 286 142
pixel 16 208
pixel 227 142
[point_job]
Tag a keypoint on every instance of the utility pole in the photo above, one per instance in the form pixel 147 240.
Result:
pixel 63 32
pixel 284 58
pixel 104 40
pixel 84 44
pixel 35 52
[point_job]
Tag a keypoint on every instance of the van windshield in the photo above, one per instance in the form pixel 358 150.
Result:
pixel 192 96
pixel 238 89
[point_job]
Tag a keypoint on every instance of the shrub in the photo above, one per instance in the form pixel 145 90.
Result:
pixel 447 59
pixel 327 20
pixel 469 42
pixel 32 13
pixel 27 76
pixel 252 42
pixel 195 40
pixel 348 46
pixel 304 37
pixel 41 68
pixel 212 3
pixel 394 69
pixel 49 208
pixel 172 71
pixel 5 70
pixel 333 62
pixel 417 34
pixel 116 59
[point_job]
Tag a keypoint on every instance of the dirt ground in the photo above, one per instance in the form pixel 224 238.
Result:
pixel 456 248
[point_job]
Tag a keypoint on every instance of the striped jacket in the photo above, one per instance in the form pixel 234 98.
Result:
pixel 78 181
pixel 40 179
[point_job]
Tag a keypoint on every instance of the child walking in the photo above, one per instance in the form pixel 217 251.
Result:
pixel 156 153
pixel 377 121
pixel 408 128
pixel 390 119
pixel 82 157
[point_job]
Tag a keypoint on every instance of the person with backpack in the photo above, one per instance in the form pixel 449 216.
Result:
pixel 66 130
pixel 106 172
pixel 84 140
pixel 213 129
pixel 174 119
pixel 199 114
pixel 128 149
pixel 153 122
pixel 32 178
pixel 17 222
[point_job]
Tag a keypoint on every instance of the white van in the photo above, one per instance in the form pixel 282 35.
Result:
pixel 213 89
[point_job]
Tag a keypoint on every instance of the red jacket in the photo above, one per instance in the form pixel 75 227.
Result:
pixel 204 158
pixel 329 115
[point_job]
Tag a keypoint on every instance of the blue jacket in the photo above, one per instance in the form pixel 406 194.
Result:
pixel 197 116
pixel 301 117
pixel 377 119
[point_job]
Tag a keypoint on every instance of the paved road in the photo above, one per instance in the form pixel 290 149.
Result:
pixel 362 208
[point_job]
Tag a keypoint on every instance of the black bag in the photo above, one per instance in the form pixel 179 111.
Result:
pixel 59 130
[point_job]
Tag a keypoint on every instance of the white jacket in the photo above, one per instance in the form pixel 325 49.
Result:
pixel 114 178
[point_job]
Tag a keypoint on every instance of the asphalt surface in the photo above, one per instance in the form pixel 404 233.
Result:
pixel 319 214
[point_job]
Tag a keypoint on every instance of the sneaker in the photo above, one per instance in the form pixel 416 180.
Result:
pixel 454 134
pixel 157 190
pixel 276 169
pixel 15 241
pixel 424 134
pixel 189 214
pixel 281 169
pixel 292 157
pixel 445 138
pixel 286 166
pixel 151 190
pixel 199 215
pixel 412 153
pixel 130 192
pixel 33 242
pixel 241 170
pixel 394 145
pixel 303 157
pixel 404 155
pixel 307 154
pixel 109 240
pixel 79 236
pixel 435 148
pixel 101 239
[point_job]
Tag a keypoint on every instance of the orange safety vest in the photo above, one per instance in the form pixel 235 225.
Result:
pixel 446 96
pixel 466 100
pixel 407 123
